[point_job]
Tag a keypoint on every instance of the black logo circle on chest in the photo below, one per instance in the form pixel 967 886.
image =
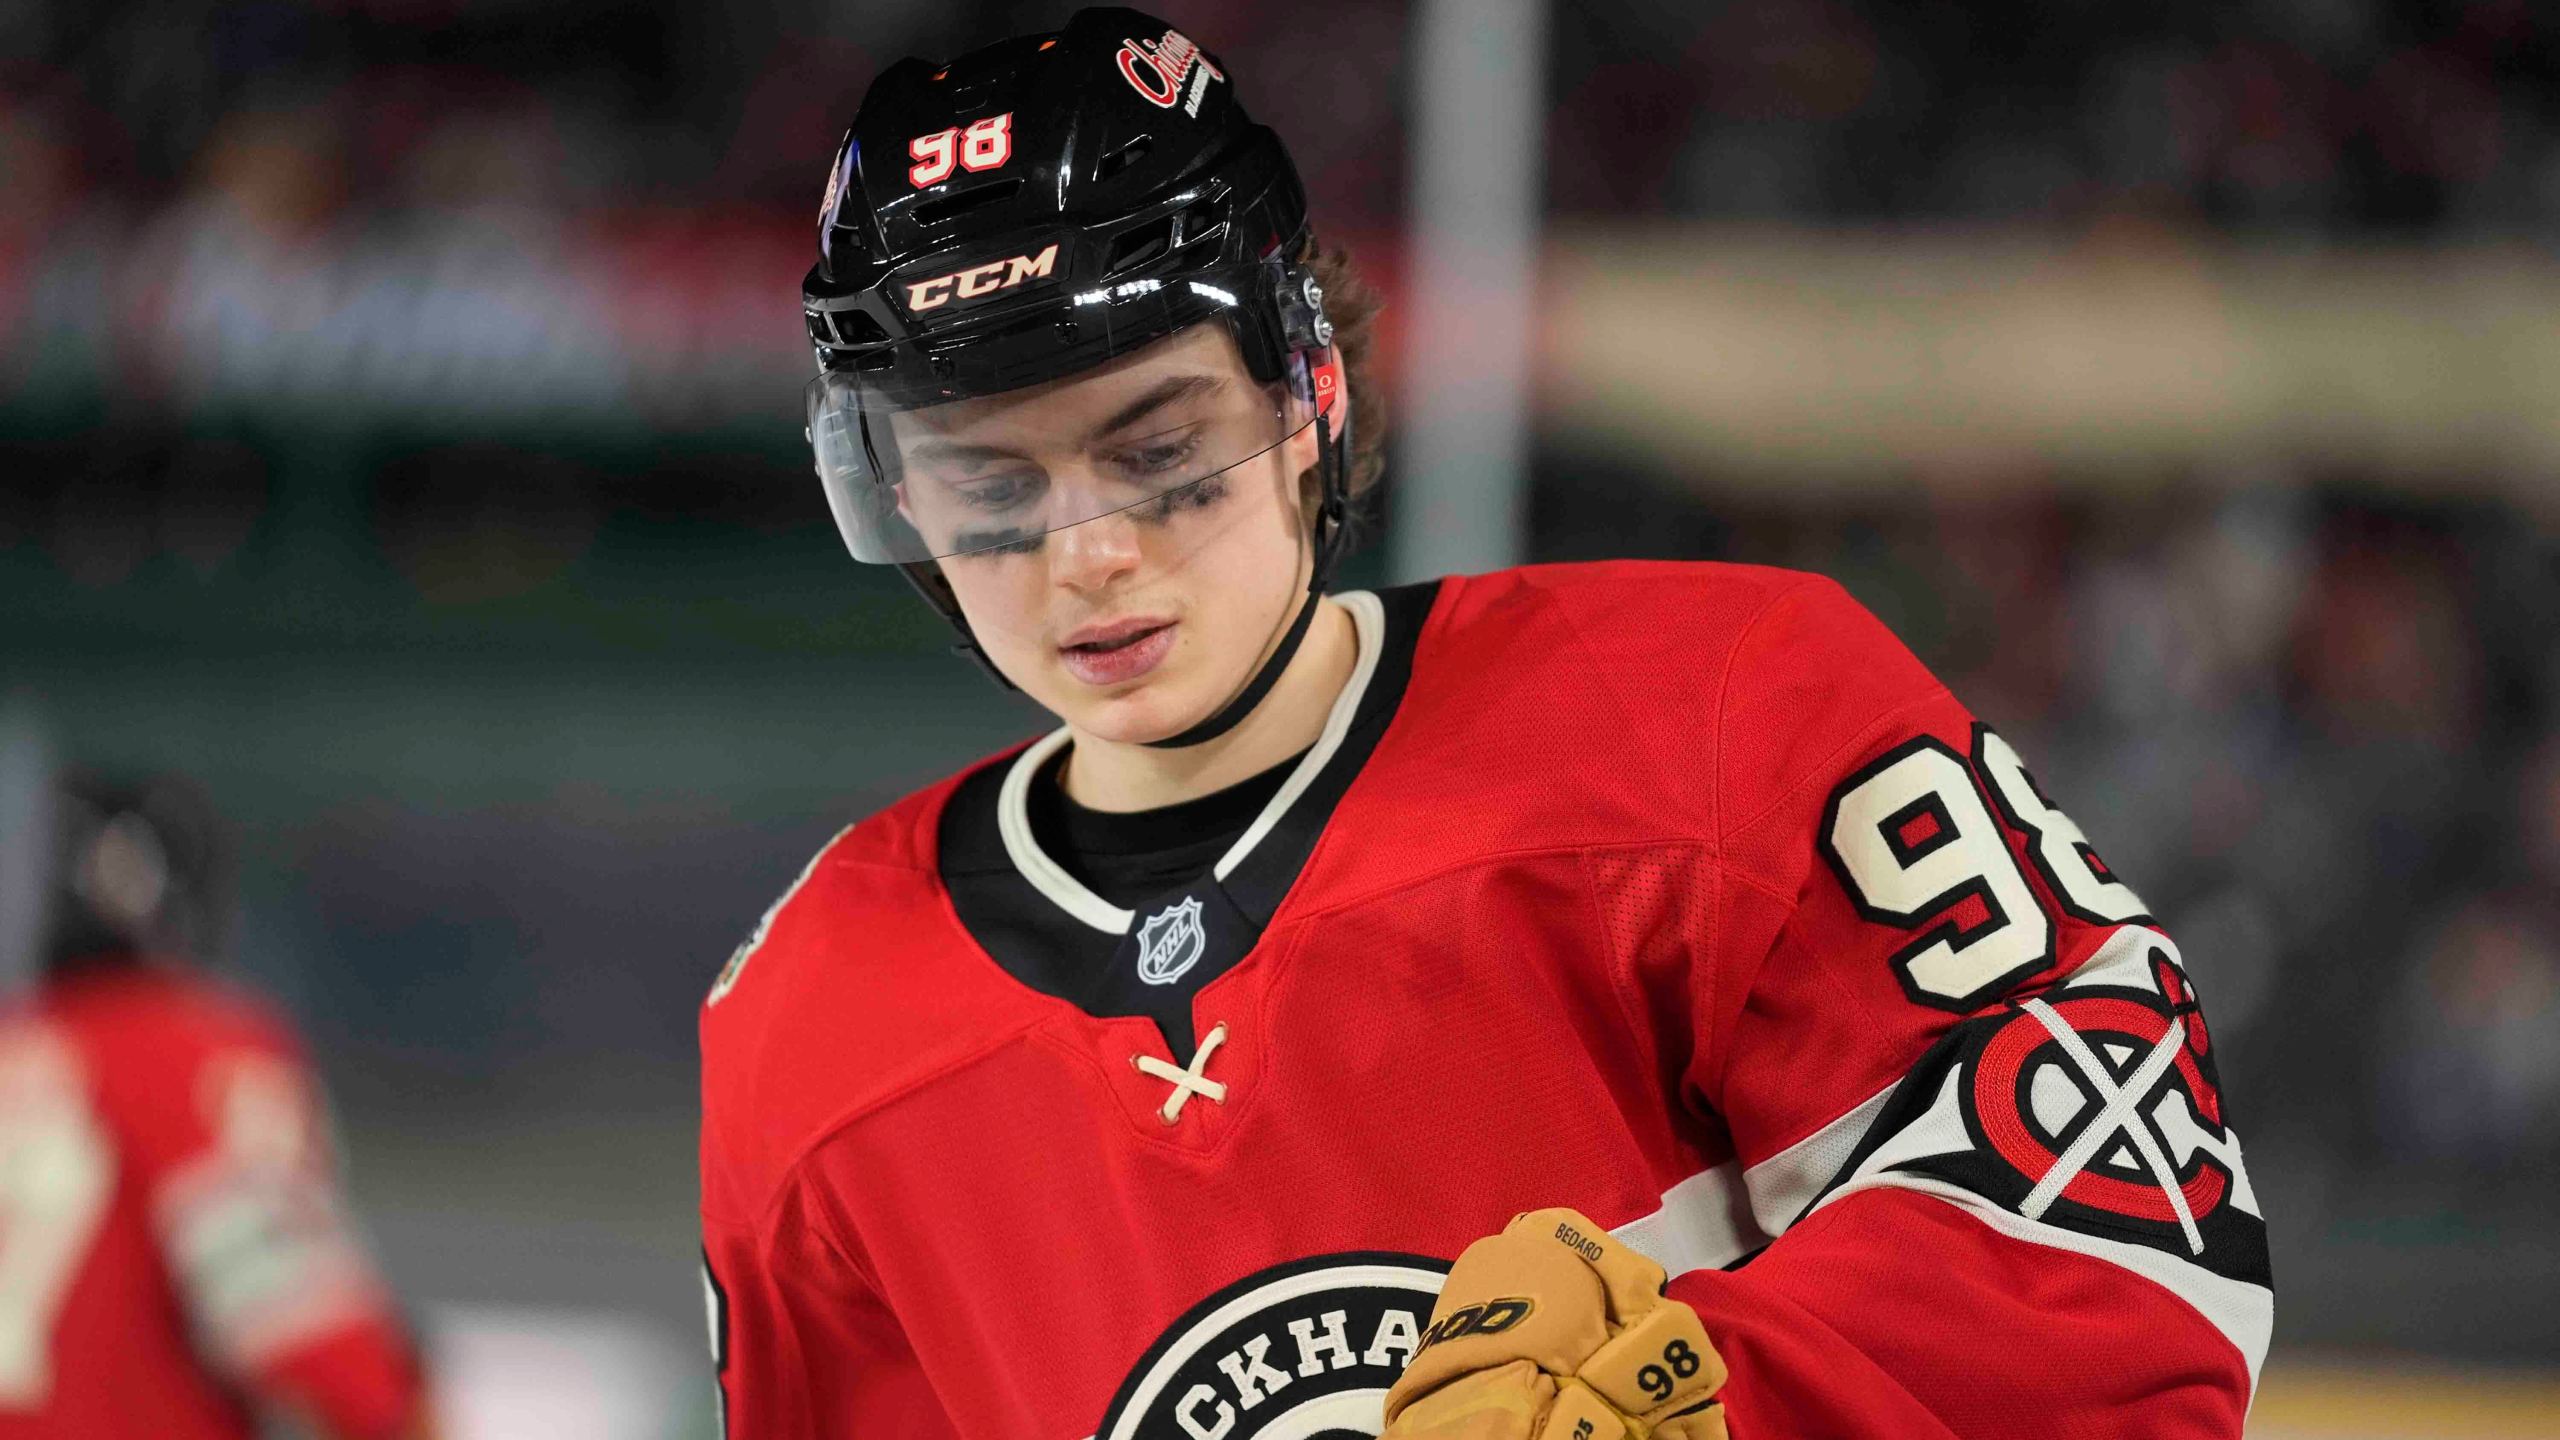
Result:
pixel 1304 1350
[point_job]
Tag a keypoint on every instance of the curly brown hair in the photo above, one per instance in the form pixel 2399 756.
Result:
pixel 1353 307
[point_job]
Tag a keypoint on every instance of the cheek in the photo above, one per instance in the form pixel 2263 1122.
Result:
pixel 1253 563
pixel 1002 600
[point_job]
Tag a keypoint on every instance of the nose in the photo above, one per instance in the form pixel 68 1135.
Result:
pixel 1088 556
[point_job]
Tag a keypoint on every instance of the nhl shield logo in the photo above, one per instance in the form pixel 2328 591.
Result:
pixel 1170 942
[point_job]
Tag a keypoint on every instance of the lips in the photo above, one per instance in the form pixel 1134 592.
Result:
pixel 1103 635
pixel 1117 652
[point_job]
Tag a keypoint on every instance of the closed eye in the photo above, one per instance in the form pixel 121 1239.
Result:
pixel 998 492
pixel 1168 452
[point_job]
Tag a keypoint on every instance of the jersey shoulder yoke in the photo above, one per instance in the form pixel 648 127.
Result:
pixel 855 983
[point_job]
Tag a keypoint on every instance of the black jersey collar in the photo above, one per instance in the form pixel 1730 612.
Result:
pixel 1050 931
pixel 1045 875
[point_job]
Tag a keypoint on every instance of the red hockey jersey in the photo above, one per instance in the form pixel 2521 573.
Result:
pixel 1679 894
pixel 172 1250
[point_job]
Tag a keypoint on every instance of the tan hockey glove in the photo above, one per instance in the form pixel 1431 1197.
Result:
pixel 1551 1330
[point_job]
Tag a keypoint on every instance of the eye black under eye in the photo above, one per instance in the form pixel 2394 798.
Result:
pixel 970 546
pixel 1198 495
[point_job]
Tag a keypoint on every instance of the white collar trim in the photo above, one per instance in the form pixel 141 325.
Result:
pixel 1013 802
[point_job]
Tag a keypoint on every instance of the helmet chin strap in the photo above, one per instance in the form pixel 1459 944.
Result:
pixel 1259 686
pixel 1329 529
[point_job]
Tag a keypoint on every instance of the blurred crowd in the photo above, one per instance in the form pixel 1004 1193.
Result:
pixel 2326 116
pixel 2313 117
pixel 486 208
pixel 598 206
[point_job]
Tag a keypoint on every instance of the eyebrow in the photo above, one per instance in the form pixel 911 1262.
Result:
pixel 952 452
pixel 1157 396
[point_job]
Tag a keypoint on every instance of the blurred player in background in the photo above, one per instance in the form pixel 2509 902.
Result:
pixel 1142 1081
pixel 176 1260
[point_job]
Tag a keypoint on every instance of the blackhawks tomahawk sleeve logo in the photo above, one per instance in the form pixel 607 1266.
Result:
pixel 2094 1107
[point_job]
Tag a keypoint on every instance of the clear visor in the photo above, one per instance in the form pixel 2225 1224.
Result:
pixel 1143 430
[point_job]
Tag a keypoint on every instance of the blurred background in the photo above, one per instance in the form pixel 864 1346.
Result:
pixel 399 433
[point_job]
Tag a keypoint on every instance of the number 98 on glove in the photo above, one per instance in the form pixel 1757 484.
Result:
pixel 1552 1330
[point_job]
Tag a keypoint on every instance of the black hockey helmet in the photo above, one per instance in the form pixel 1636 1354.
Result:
pixel 103 870
pixel 1032 211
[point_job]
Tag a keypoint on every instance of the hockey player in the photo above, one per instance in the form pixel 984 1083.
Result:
pixel 1144 1080
pixel 175 1258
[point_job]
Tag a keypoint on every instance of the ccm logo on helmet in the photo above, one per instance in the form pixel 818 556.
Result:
pixel 1156 69
pixel 980 280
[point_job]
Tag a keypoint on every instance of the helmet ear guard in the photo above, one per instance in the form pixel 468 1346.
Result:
pixel 1315 371
pixel 1300 301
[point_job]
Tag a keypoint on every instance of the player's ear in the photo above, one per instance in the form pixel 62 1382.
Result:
pixel 1298 459
pixel 1298 456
